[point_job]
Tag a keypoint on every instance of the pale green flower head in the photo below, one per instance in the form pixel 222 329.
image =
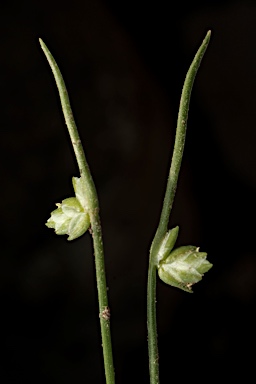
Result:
pixel 184 267
pixel 71 217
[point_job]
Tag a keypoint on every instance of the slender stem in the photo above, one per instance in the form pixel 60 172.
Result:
pixel 152 326
pixel 179 142
pixel 93 210
pixel 166 210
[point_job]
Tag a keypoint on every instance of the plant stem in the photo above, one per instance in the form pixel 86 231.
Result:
pixel 93 210
pixel 152 326
pixel 167 206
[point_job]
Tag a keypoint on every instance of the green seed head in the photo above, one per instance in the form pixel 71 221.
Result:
pixel 184 267
pixel 71 218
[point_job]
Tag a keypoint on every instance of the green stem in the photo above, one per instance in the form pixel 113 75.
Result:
pixel 152 328
pixel 93 210
pixel 167 206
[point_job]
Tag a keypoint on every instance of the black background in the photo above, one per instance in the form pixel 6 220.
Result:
pixel 124 64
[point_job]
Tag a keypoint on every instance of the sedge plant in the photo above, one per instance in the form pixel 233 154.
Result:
pixel 180 267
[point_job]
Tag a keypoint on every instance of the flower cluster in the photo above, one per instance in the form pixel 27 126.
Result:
pixel 183 266
pixel 71 217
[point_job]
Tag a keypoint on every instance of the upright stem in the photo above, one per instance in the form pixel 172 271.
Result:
pixel 167 206
pixel 93 210
pixel 152 326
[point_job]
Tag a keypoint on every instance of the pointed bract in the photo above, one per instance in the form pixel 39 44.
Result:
pixel 79 186
pixel 167 244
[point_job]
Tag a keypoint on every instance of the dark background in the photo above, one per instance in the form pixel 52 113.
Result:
pixel 124 64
